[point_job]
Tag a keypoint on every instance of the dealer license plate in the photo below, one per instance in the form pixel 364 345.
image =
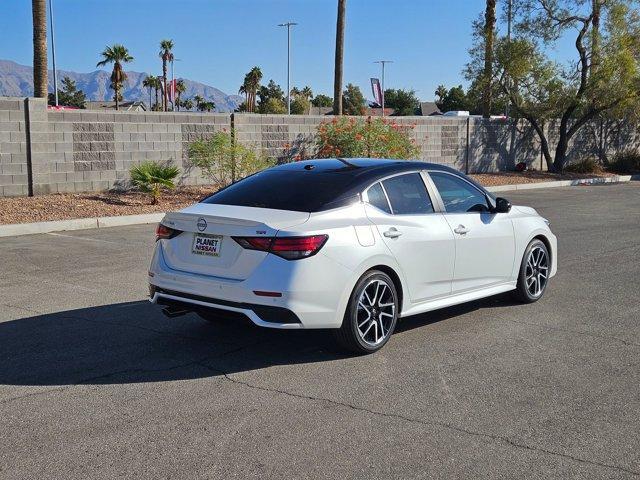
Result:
pixel 205 244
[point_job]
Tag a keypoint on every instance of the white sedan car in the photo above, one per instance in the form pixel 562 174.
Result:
pixel 350 245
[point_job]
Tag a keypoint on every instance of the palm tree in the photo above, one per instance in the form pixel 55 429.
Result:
pixel 157 86
pixel 40 81
pixel 307 92
pixel 188 104
pixel 487 76
pixel 339 60
pixel 180 89
pixel 116 54
pixel 149 83
pixel 199 101
pixel 253 79
pixel 244 90
pixel 165 54
pixel 206 106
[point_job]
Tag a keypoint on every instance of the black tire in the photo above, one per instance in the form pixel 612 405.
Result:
pixel 383 317
pixel 531 293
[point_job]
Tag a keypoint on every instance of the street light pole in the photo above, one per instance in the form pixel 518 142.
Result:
pixel 383 63
pixel 53 54
pixel 288 25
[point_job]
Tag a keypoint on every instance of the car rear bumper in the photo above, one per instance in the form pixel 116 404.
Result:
pixel 311 291
pixel 261 315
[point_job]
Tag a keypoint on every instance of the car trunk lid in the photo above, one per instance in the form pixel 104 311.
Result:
pixel 206 246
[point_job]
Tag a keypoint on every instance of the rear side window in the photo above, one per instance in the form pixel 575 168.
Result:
pixel 287 190
pixel 408 195
pixel 459 196
pixel 377 198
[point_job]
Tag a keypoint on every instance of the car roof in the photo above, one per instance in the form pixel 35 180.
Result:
pixel 361 169
pixel 323 183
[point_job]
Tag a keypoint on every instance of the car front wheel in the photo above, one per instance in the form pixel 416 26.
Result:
pixel 371 315
pixel 534 272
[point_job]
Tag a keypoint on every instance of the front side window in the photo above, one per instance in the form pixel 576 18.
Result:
pixel 377 198
pixel 408 194
pixel 459 196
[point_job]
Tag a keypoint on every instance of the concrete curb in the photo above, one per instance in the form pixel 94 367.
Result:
pixel 15 230
pixel 564 183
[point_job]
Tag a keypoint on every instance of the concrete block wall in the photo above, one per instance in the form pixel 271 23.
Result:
pixel 13 147
pixel 75 151
pixel 279 136
pixel 45 151
pixel 441 140
pixel 498 145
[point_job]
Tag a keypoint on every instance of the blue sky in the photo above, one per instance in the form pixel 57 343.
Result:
pixel 217 41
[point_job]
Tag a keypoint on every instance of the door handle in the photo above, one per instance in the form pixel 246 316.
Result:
pixel 461 230
pixel 392 233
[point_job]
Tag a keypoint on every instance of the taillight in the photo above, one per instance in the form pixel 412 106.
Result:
pixel 162 231
pixel 290 248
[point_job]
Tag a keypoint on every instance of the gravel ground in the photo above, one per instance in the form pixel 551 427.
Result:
pixel 64 206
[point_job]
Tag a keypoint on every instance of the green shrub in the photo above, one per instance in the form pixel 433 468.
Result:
pixel 151 177
pixel 625 162
pixel 223 161
pixel 375 138
pixel 586 165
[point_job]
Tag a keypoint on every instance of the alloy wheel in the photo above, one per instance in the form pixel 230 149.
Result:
pixel 376 312
pixel 537 271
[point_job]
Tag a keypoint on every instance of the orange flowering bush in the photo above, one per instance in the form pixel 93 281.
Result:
pixel 374 137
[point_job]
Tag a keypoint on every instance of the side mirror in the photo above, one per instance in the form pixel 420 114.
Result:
pixel 502 205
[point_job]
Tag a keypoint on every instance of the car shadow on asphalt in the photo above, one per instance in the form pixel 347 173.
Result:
pixel 134 343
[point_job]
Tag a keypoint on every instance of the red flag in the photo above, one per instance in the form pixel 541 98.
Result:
pixel 377 91
pixel 172 90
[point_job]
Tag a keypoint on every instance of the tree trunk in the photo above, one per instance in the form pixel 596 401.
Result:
pixel 489 30
pixel 563 144
pixel 40 80
pixel 561 153
pixel 164 83
pixel 595 35
pixel 544 143
pixel 339 59
pixel 116 88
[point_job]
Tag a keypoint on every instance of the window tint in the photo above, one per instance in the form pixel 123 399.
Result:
pixel 408 194
pixel 458 195
pixel 286 190
pixel 377 198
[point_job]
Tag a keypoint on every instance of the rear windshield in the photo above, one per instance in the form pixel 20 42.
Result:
pixel 287 190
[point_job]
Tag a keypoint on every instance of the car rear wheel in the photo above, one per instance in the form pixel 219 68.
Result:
pixel 371 315
pixel 534 272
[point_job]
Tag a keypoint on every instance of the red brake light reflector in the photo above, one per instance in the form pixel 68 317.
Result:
pixel 162 231
pixel 290 248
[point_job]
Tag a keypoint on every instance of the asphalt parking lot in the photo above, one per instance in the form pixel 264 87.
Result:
pixel 96 383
